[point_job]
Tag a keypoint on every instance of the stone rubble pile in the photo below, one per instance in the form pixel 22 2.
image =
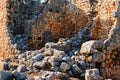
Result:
pixel 53 64
pixel 59 60
pixel 58 57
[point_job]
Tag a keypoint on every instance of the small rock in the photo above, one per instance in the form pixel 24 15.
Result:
pixel 15 57
pixel 30 78
pixel 48 76
pixel 60 75
pixel 18 36
pixel 76 70
pixel 7 60
pixel 59 53
pixel 42 65
pixel 64 67
pixel 21 68
pixel 98 57
pixel 5 65
pixel 54 59
pixel 38 57
pixel 37 78
pixel 48 52
pixel 83 64
pixel 21 77
pixel 66 58
pixel 15 73
pixel 55 64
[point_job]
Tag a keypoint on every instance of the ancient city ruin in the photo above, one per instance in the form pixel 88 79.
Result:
pixel 60 40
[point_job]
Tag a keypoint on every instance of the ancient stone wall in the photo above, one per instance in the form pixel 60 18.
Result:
pixel 4 41
pixel 63 18
pixel 8 45
pixel 70 17
pixel 104 19
pixel 111 66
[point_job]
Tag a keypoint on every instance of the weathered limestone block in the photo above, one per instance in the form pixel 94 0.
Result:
pixel 4 38
pixel 93 74
pixel 48 52
pixel 64 67
pixel 91 47
pixel 96 57
pixel 5 75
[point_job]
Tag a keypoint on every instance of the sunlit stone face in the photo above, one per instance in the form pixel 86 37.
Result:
pixel 116 13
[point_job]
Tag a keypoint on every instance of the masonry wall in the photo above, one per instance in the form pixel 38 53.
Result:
pixel 70 17
pixel 64 21
pixel 7 48
pixel 4 43
pixel 103 20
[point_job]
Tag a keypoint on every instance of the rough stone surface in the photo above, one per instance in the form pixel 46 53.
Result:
pixel 93 74
pixel 28 25
pixel 4 75
pixel 91 47
pixel 21 68
pixel 15 73
pixel 5 65
pixel 64 67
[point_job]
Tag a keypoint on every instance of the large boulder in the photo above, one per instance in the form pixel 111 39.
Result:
pixel 91 47
pixel 93 74
pixel 5 75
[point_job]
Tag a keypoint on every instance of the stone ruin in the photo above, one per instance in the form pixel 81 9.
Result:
pixel 60 39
